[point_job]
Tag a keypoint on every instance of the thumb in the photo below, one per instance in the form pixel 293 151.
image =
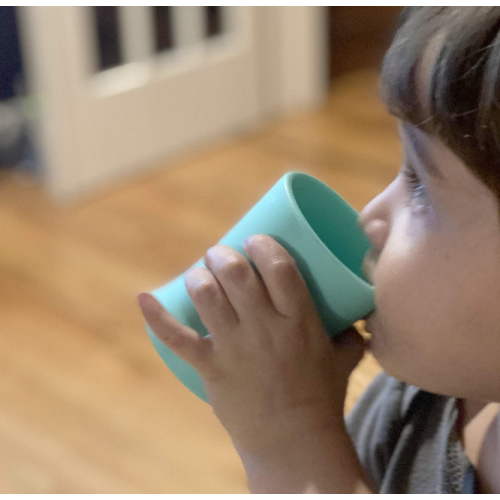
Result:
pixel 350 346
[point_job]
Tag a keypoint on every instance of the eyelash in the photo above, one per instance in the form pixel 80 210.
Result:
pixel 414 186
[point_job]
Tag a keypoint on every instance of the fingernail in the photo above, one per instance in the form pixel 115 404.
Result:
pixel 247 241
pixel 212 252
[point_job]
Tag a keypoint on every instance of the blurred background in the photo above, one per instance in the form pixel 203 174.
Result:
pixel 131 140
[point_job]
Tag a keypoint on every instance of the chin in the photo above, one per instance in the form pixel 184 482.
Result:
pixel 378 348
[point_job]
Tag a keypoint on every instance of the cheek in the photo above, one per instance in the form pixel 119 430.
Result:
pixel 405 325
pixel 414 306
pixel 408 309
pixel 405 287
pixel 431 307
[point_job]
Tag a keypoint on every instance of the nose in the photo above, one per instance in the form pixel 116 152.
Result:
pixel 375 219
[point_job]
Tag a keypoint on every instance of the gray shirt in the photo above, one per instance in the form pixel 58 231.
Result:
pixel 407 440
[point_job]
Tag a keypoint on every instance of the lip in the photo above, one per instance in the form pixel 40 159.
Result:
pixel 369 264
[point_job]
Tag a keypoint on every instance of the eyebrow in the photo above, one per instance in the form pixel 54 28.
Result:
pixel 420 151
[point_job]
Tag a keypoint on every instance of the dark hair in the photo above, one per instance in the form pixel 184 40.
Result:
pixel 463 105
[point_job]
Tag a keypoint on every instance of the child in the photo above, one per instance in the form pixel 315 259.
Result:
pixel 276 381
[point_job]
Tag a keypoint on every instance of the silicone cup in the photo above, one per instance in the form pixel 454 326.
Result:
pixel 320 231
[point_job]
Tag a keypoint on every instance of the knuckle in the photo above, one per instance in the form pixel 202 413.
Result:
pixel 205 289
pixel 284 267
pixel 236 269
pixel 176 342
pixel 200 284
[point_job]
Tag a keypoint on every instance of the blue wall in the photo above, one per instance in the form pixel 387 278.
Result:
pixel 10 53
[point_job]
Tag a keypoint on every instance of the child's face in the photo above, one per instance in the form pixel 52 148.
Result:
pixel 436 271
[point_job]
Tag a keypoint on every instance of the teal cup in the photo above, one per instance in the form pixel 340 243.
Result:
pixel 320 231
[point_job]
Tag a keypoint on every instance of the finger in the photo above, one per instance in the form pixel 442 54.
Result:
pixel 286 286
pixel 243 287
pixel 211 302
pixel 350 339
pixel 182 340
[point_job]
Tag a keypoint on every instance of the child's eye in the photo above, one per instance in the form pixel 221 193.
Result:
pixel 415 187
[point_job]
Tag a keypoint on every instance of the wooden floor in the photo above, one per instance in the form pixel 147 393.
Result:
pixel 86 404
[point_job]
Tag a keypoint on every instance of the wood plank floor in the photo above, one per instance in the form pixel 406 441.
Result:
pixel 86 404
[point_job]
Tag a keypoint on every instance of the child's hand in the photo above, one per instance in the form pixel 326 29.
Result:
pixel 269 367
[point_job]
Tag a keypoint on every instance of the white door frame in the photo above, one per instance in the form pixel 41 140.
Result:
pixel 293 58
pixel 292 61
pixel 41 48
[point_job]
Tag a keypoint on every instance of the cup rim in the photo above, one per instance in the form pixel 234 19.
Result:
pixel 289 177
